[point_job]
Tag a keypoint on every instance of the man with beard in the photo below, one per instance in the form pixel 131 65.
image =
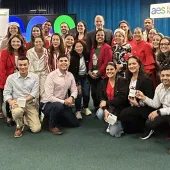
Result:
pixel 46 27
pixel 148 25
pixel 161 102
pixel 64 29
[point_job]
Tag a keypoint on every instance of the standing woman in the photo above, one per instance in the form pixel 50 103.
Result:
pixel 133 117
pixel 36 32
pixel 81 31
pixel 100 55
pixel 121 51
pixel 56 48
pixel 13 28
pixel 38 59
pixel 79 68
pixel 164 52
pixel 8 65
pixel 143 50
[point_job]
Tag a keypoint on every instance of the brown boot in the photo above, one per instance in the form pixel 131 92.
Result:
pixel 55 131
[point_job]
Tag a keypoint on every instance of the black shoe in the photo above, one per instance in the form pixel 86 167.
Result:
pixel 147 134
pixel 10 123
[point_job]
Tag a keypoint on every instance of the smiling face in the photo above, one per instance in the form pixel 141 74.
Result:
pixel 99 22
pixel 80 27
pixel 155 41
pixel 36 32
pixel 165 77
pixel 119 38
pixel 55 41
pixel 23 67
pixel 138 36
pixel 164 45
pixel 16 43
pixel 100 36
pixel 64 28
pixel 69 41
pixel 124 27
pixel 110 71
pixel 13 29
pixel 47 26
pixel 133 66
pixel 151 34
pixel 79 48
pixel 38 43
pixel 63 64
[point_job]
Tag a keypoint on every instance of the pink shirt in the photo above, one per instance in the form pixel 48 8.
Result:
pixel 57 85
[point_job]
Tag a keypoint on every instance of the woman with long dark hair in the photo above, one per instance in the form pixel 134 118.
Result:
pixel 133 117
pixel 8 65
pixel 100 55
pixel 56 48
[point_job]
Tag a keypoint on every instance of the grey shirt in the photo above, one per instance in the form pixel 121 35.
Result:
pixel 161 98
pixel 17 86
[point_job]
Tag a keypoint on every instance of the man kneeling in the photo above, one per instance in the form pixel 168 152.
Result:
pixel 55 103
pixel 20 90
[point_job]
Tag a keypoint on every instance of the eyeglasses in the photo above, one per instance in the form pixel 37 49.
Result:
pixel 165 44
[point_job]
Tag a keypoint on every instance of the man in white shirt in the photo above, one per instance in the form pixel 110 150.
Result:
pixel 46 27
pixel 19 91
pixel 161 102
pixel 148 25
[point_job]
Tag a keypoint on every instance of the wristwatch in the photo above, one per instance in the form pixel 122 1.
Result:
pixel 159 113
pixel 72 97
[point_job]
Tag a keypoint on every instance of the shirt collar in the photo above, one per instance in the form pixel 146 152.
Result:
pixel 60 74
pixel 19 75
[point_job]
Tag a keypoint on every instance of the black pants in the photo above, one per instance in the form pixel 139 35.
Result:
pixel 59 115
pixel 8 112
pixel 157 121
pixel 95 91
pixel 133 118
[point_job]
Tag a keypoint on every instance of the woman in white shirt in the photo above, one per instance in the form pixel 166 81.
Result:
pixel 38 58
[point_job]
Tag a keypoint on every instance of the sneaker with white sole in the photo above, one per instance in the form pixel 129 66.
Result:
pixel 147 134
pixel 87 111
pixel 108 129
pixel 78 115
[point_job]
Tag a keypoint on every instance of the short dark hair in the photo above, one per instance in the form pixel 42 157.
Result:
pixel 62 56
pixel 149 19
pixel 48 21
pixel 167 67
pixel 21 58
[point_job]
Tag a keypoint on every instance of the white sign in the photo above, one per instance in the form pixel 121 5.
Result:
pixel 4 19
pixel 160 10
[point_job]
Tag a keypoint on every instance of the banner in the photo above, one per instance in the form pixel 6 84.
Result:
pixel 160 10
pixel 4 19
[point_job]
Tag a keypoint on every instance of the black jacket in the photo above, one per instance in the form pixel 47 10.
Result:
pixel 75 62
pixel 120 93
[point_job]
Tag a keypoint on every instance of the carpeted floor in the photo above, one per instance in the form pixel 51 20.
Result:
pixel 85 148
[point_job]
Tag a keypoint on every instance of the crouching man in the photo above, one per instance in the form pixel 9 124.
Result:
pixel 19 91
pixel 56 104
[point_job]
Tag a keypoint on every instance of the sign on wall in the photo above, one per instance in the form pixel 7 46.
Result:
pixel 4 16
pixel 160 10
pixel 26 22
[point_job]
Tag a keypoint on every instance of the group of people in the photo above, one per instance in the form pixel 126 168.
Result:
pixel 52 75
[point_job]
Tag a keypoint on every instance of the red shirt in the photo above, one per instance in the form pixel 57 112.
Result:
pixel 143 51
pixel 109 91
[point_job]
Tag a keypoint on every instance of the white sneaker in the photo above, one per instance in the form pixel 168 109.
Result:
pixel 87 111
pixel 78 115
pixel 108 129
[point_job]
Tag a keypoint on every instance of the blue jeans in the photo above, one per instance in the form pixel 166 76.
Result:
pixel 85 94
pixel 116 129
